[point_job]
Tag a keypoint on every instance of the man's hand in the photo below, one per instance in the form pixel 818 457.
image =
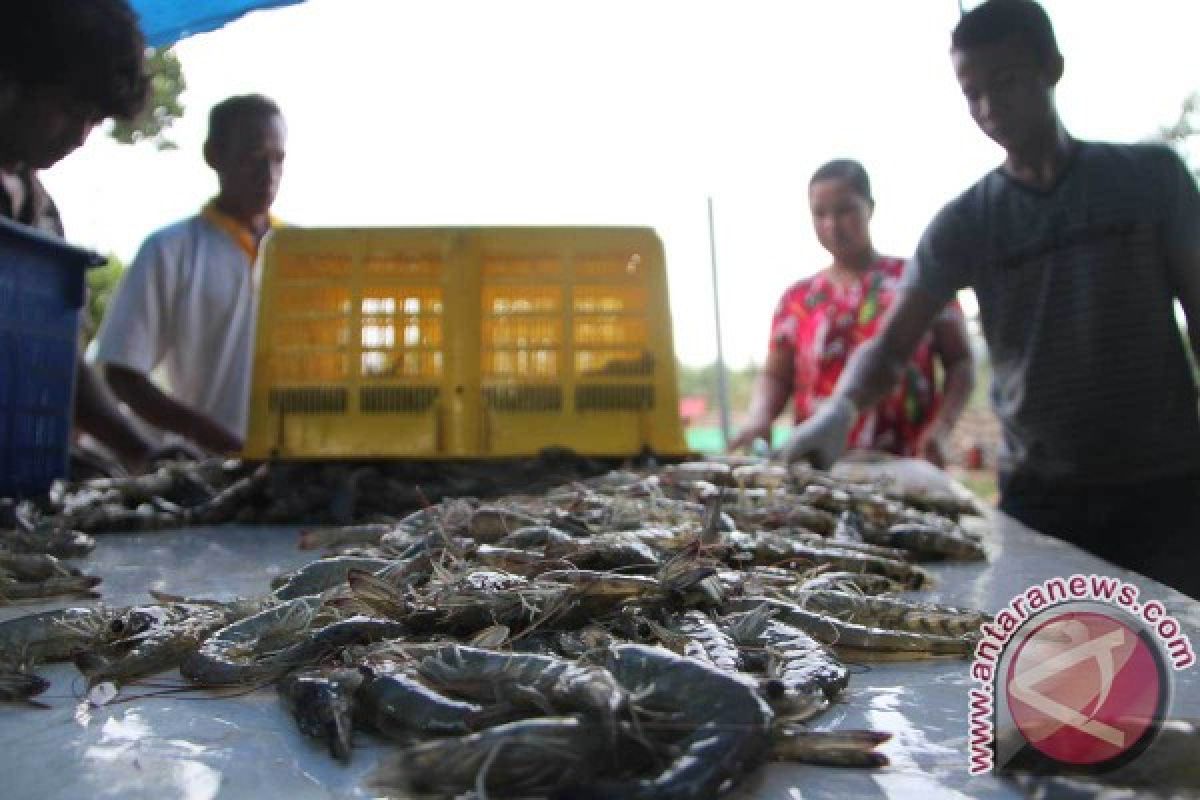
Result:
pixel 176 451
pixel 213 436
pixel 821 439
pixel 164 411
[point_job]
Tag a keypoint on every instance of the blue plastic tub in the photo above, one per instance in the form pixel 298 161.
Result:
pixel 41 292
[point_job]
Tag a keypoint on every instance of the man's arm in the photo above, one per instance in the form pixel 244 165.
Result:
pixel 97 415
pixel 135 337
pixel 952 347
pixel 772 387
pixel 874 368
pixel 163 411
pixel 869 376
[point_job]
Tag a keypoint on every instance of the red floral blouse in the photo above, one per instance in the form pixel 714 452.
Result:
pixel 820 323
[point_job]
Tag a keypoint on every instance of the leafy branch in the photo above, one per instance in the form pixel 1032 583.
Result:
pixel 162 108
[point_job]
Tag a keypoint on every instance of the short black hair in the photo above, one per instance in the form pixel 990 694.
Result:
pixel 225 115
pixel 996 20
pixel 848 170
pixel 92 49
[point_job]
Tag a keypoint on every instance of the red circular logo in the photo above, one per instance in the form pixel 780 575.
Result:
pixel 1084 688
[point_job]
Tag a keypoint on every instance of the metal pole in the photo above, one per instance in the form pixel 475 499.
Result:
pixel 722 380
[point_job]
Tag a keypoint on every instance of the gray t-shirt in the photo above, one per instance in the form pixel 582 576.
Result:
pixel 1090 376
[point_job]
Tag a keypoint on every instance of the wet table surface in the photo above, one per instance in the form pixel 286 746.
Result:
pixel 193 746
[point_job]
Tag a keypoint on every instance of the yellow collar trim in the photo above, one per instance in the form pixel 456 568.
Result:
pixel 245 239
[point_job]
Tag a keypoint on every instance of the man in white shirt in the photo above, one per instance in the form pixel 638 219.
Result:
pixel 187 301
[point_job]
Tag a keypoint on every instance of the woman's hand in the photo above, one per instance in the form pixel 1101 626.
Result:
pixel 771 390
pixel 932 446
pixel 750 432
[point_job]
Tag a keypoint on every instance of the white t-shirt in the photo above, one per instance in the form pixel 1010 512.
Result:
pixel 188 303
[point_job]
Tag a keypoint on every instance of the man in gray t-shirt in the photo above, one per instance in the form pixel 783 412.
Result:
pixel 1077 252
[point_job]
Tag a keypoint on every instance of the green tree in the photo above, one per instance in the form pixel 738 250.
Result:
pixel 162 108
pixel 101 283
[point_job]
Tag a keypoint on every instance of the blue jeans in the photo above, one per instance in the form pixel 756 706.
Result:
pixel 1152 528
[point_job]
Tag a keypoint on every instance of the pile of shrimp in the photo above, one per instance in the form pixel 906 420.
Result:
pixel 219 491
pixel 651 633
pixel 31 554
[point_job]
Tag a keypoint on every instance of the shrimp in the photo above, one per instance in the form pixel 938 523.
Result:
pixel 544 682
pixel 829 748
pixel 691 580
pixel 890 612
pixel 817 540
pixel 595 584
pixel 770 548
pixel 514 560
pixel 932 542
pixel 529 757
pixel 234 655
pixel 145 640
pixel 315 538
pixel 53 635
pixel 49 538
pixel 534 536
pixel 18 685
pixel 81 585
pixel 707 642
pixel 463 604
pixel 323 703
pixel 323 574
pixel 761 476
pixel 153 639
pixel 573 644
pixel 757 580
pixel 402 708
pixel 709 471
pixel 796 663
pixel 434 542
pixel 483 598
pixel 726 723
pixel 319 644
pixel 34 566
pixel 860 582
pixel 606 551
pixel 861 639
pixel 784 515
pixel 243 651
pixel 942 503
pixel 490 524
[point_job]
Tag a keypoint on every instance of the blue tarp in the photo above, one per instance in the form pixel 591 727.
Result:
pixel 165 22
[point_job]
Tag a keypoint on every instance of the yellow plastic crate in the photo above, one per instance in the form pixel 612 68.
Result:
pixel 463 343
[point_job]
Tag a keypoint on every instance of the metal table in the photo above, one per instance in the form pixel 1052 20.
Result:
pixel 192 746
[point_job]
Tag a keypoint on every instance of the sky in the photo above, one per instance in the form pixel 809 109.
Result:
pixel 532 112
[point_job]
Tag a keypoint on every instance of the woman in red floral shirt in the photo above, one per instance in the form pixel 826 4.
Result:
pixel 822 319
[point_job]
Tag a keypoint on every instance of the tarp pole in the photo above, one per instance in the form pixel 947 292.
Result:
pixel 722 379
